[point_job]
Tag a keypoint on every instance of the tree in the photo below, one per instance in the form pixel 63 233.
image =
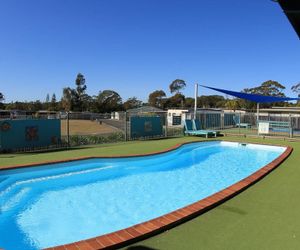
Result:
pixel 47 102
pixel 90 103
pixel 177 85
pixel 86 102
pixel 189 102
pixel 156 98
pixel 53 103
pixel 108 101
pixel 268 88
pixel 75 99
pixel 232 104
pixel 211 101
pixel 1 99
pixel 35 106
pixel 131 103
pixel 296 89
pixel 79 92
pixel 47 98
pixel 176 101
pixel 67 100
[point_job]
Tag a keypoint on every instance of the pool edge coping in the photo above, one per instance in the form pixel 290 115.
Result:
pixel 157 225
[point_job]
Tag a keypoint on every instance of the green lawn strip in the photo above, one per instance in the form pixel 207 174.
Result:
pixel 122 148
pixel 265 216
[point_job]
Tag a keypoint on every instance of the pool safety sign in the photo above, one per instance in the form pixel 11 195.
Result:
pixel 263 128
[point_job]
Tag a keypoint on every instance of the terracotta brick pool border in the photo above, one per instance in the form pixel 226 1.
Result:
pixel 152 227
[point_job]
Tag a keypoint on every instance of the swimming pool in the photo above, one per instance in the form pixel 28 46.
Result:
pixel 56 204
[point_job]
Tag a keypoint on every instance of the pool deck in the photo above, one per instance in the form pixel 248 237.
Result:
pixel 149 228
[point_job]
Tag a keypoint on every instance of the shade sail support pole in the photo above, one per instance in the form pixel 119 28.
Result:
pixel 257 117
pixel 196 97
pixel 257 112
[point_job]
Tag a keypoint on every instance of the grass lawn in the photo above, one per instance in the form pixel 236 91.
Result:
pixel 265 216
pixel 86 127
pixel 122 148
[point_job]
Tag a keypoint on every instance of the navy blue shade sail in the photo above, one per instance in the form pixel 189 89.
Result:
pixel 253 97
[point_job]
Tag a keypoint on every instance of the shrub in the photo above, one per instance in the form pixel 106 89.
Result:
pixel 77 140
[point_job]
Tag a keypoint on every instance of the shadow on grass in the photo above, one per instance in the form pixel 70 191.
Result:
pixel 37 152
pixel 7 156
pixel 48 151
pixel 53 150
pixel 232 210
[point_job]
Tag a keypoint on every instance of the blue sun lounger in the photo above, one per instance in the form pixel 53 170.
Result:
pixel 189 130
pixel 197 126
pixel 237 121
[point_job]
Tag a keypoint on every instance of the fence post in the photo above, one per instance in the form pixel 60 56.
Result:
pixel 68 129
pixel 290 126
pixel 240 122
pixel 0 142
pixel 125 117
pixel 166 125
pixel 222 119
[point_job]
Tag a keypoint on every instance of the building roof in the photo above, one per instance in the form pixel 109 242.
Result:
pixel 145 109
pixel 281 110
pixel 291 8
pixel 178 109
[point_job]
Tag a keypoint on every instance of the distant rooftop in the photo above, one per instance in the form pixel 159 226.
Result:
pixel 292 108
pixel 145 109
pixel 281 110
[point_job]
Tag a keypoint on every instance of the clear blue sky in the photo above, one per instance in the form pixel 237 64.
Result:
pixel 137 46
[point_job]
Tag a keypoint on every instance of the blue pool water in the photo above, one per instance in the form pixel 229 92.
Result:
pixel 57 204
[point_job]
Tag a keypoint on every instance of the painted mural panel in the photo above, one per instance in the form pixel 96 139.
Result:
pixel 15 134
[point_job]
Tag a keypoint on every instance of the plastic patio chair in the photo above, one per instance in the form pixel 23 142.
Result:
pixel 198 127
pixel 238 123
pixel 189 129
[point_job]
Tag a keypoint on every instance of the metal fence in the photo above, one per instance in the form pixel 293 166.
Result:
pixel 92 128
pixel 101 128
pixel 248 123
pixel 85 129
pixel 167 129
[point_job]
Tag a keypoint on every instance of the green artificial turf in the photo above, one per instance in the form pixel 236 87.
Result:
pixel 122 148
pixel 265 216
